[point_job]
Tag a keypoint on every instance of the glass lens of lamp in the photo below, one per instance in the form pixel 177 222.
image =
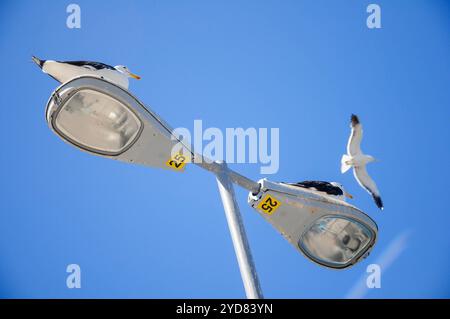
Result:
pixel 97 122
pixel 335 241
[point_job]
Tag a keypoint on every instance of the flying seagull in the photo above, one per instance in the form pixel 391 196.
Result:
pixel 333 189
pixel 63 71
pixel 358 160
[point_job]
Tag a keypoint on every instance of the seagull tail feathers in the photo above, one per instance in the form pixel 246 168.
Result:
pixel 344 163
pixel 39 62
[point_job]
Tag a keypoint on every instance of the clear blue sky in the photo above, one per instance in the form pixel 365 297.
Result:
pixel 302 66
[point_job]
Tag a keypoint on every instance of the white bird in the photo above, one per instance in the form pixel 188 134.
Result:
pixel 63 71
pixel 332 189
pixel 358 160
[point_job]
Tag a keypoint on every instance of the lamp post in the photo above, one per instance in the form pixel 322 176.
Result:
pixel 106 120
pixel 238 236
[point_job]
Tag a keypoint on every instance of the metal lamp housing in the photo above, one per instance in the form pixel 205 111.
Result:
pixel 328 231
pixel 103 119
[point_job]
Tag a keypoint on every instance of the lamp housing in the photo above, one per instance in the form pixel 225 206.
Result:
pixel 328 231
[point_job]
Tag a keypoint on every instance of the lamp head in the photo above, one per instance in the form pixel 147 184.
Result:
pixel 104 119
pixel 328 231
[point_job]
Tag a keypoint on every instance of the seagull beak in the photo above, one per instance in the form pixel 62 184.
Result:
pixel 134 76
pixel 348 195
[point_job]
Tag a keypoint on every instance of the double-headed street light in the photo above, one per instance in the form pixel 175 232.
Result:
pixel 104 119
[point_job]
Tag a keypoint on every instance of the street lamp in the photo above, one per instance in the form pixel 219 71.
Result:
pixel 104 119
pixel 330 232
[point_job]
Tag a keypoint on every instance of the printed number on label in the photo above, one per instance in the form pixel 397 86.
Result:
pixel 269 205
pixel 177 162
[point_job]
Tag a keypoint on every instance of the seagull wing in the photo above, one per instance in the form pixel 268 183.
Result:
pixel 368 184
pixel 354 142
pixel 90 65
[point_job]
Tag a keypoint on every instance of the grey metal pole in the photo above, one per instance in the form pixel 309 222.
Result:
pixel 238 236
pixel 217 168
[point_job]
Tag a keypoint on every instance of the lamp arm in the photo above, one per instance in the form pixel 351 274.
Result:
pixel 235 177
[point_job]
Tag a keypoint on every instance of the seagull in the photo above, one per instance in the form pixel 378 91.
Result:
pixel 63 71
pixel 358 160
pixel 332 189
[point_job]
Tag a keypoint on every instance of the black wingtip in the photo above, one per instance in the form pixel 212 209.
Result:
pixel 354 119
pixel 378 201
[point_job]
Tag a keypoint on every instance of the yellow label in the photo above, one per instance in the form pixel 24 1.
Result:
pixel 269 205
pixel 177 162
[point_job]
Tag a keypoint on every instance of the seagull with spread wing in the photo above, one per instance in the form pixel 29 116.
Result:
pixel 358 160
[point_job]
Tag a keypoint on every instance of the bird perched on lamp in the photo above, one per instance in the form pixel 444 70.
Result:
pixel 63 71
pixel 332 189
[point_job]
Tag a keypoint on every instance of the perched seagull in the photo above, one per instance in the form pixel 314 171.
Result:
pixel 329 188
pixel 356 159
pixel 67 70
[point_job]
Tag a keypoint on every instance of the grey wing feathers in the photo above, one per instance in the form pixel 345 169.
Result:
pixel 354 141
pixel 90 64
pixel 368 184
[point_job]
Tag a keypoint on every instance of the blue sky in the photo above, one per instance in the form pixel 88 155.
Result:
pixel 301 66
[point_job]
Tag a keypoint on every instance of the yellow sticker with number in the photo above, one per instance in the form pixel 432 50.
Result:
pixel 177 162
pixel 269 204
